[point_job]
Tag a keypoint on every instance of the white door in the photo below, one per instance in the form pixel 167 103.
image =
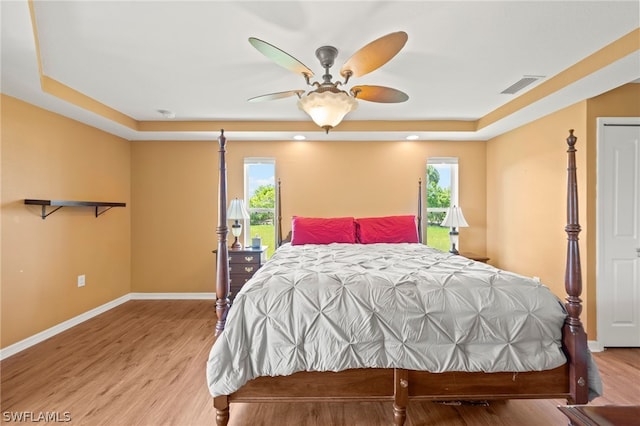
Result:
pixel 618 285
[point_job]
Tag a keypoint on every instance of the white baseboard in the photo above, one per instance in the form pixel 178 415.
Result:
pixel 56 329
pixel 63 326
pixel 595 346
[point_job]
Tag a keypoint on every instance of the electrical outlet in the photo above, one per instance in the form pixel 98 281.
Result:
pixel 80 280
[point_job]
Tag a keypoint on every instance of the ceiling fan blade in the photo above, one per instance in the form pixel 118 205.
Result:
pixel 274 96
pixel 379 94
pixel 280 57
pixel 374 55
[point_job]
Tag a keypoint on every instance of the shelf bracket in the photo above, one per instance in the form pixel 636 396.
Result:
pixel 44 213
pixel 99 212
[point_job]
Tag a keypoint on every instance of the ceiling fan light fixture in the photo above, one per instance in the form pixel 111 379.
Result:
pixel 327 105
pixel 327 109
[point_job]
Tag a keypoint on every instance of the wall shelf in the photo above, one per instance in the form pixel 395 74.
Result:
pixel 100 206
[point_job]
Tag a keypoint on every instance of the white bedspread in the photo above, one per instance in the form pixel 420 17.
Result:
pixel 340 306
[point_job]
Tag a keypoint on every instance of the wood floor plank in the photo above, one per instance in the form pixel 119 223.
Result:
pixel 143 363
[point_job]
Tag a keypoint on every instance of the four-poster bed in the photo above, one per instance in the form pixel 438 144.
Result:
pixel 400 385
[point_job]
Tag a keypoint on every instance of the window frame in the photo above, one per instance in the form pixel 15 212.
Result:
pixel 454 177
pixel 249 161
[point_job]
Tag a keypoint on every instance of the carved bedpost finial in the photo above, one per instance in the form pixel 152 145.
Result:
pixel 221 139
pixel 571 140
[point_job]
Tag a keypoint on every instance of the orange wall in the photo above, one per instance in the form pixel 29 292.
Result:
pixel 526 196
pixel 47 156
pixel 526 187
pixel 174 186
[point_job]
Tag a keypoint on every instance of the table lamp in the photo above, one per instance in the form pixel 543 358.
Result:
pixel 454 219
pixel 237 212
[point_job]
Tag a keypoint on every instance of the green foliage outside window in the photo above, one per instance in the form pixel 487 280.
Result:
pixel 436 196
pixel 262 223
pixel 264 197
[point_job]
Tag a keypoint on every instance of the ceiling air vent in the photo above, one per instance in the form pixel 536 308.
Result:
pixel 521 84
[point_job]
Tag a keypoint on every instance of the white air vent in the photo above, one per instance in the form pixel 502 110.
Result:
pixel 521 84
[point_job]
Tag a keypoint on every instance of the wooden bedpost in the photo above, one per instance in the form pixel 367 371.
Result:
pixel 279 216
pixel 574 336
pixel 222 267
pixel 400 396
pixel 221 404
pixel 420 210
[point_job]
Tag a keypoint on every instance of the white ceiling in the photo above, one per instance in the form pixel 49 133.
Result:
pixel 193 58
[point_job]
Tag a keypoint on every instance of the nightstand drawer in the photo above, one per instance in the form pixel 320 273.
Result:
pixel 239 279
pixel 244 258
pixel 243 268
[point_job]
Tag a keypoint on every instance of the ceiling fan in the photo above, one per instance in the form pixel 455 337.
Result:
pixel 327 104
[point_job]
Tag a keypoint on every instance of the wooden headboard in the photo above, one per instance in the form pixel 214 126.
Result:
pixel 280 240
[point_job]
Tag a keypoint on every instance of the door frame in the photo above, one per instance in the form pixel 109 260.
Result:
pixel 596 345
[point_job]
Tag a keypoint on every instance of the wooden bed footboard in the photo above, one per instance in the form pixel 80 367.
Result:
pixel 399 386
pixel 568 381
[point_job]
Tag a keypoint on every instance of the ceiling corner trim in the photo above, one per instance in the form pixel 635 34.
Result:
pixel 609 54
pixel 407 126
pixel 34 29
pixel 230 125
pixel 66 93
pixel 309 126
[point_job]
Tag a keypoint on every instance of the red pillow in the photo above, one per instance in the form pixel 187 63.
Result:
pixel 387 229
pixel 314 230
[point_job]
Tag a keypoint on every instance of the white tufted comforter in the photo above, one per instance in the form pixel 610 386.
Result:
pixel 340 306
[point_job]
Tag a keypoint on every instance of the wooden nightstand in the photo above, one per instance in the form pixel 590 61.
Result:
pixel 474 256
pixel 243 264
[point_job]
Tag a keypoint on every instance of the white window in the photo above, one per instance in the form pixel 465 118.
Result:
pixel 442 193
pixel 260 196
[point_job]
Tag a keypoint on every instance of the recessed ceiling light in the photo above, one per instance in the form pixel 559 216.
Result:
pixel 166 113
pixel 299 137
pixel 413 137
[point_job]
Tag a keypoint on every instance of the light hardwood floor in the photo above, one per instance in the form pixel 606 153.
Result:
pixel 143 363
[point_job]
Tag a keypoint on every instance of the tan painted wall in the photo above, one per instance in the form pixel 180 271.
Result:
pixel 175 191
pixel 174 185
pixel 47 156
pixel 526 196
pixel 526 174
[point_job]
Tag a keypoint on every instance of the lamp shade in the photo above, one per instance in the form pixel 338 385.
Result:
pixel 454 218
pixel 236 210
pixel 327 109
